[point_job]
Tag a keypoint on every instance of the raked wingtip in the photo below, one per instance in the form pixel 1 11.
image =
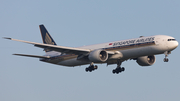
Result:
pixel 7 38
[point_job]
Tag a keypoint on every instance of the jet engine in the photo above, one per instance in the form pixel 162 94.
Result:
pixel 98 56
pixel 146 60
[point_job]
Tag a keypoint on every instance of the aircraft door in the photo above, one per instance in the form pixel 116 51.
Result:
pixel 164 44
pixel 157 41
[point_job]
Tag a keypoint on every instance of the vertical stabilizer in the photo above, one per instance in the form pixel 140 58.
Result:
pixel 46 37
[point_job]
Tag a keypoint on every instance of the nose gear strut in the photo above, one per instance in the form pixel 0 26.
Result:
pixel 166 55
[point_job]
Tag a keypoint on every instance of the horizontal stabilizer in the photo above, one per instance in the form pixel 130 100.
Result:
pixel 34 56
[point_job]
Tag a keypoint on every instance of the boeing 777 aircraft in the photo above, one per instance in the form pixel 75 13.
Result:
pixel 142 49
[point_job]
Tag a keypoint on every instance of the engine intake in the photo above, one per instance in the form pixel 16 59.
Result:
pixel 146 60
pixel 98 56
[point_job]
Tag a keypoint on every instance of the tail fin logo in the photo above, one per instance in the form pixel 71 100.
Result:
pixel 48 40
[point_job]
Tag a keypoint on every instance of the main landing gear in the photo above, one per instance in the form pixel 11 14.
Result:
pixel 166 55
pixel 118 69
pixel 91 68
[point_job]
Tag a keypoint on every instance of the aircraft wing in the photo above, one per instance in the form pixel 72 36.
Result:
pixel 34 56
pixel 62 49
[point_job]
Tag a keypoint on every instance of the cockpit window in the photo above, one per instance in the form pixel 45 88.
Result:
pixel 171 39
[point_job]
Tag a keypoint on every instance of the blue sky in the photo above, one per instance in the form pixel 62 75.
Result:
pixel 77 23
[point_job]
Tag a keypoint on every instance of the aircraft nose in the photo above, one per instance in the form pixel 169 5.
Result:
pixel 176 44
pixel 173 44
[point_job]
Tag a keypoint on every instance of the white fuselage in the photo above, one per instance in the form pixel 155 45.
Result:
pixel 132 48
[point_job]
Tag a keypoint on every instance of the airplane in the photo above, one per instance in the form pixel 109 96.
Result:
pixel 142 49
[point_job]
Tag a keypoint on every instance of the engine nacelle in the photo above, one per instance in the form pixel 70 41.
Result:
pixel 98 56
pixel 146 60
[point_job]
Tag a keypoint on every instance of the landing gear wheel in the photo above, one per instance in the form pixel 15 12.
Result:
pixel 166 55
pixel 166 59
pixel 114 71
pixel 118 69
pixel 122 69
pixel 87 69
pixel 117 72
pixel 91 68
pixel 95 67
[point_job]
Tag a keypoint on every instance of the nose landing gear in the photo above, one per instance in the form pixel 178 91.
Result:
pixel 166 55
pixel 166 59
